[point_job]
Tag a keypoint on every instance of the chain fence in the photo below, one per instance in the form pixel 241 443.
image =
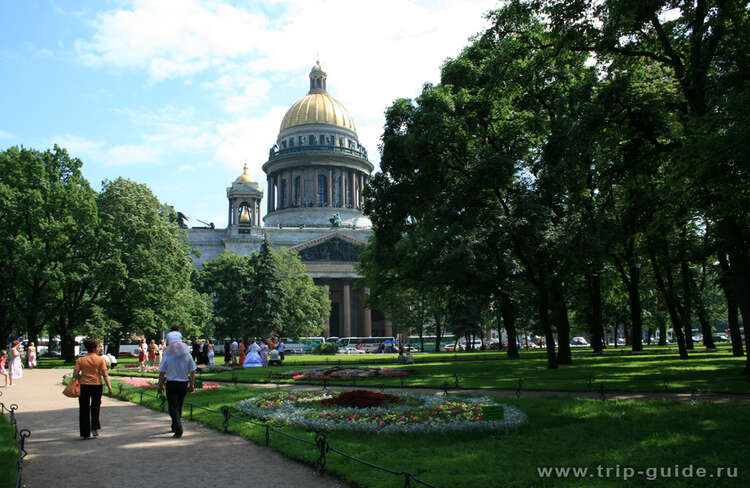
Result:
pixel 19 437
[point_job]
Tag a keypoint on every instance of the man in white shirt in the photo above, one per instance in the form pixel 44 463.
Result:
pixel 177 372
pixel 281 347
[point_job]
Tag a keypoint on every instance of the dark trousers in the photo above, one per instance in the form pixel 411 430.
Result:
pixel 89 404
pixel 176 391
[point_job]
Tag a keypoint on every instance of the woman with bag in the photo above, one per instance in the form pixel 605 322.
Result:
pixel 89 371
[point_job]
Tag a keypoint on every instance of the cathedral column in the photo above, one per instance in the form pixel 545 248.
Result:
pixel 270 194
pixel 361 190
pixel 236 213
pixel 229 214
pixel 276 190
pixel 367 322
pixel 346 311
pixel 329 190
pixel 343 188
pixel 315 186
pixel 289 195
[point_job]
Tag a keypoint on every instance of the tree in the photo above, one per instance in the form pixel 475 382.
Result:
pixel 49 242
pixel 227 280
pixel 265 299
pixel 305 306
pixel 146 276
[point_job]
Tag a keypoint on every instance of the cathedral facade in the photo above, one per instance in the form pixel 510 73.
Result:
pixel 316 171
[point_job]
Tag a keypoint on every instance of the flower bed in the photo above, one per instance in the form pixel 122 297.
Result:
pixel 144 383
pixel 338 372
pixel 409 413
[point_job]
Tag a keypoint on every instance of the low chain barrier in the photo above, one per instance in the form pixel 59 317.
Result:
pixel 19 437
pixel 320 443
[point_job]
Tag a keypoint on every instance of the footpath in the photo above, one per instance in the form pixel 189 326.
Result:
pixel 135 447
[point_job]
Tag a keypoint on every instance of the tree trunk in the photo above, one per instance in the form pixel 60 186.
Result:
pixel 67 342
pixel 662 331
pixel 544 319
pixel 560 311
pixel 596 328
pixel 508 312
pixel 636 311
pixel 732 307
pixel 739 264
pixel 687 302
pixel 667 291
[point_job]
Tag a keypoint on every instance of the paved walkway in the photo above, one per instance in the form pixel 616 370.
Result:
pixel 135 447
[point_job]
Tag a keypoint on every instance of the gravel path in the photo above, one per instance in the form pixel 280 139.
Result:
pixel 135 447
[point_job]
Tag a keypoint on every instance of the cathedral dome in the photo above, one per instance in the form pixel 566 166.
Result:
pixel 317 107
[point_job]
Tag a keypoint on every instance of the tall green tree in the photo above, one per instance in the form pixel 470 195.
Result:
pixel 49 223
pixel 305 306
pixel 148 271
pixel 266 300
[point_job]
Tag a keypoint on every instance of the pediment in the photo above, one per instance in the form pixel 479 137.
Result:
pixel 332 248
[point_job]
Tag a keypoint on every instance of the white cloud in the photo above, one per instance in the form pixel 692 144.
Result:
pixel 375 50
pixel 5 135
pixel 247 141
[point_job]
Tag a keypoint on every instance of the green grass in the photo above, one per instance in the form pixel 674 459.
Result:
pixel 561 432
pixel 658 369
pixel 8 454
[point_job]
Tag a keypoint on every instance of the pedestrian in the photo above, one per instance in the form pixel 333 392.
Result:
pixel 160 351
pixel 263 352
pixel 3 371
pixel 242 351
pixel 227 353
pixel 31 356
pixel 281 347
pixel 142 352
pixel 152 353
pixel 177 376
pixel 89 372
pixel 196 350
pixel 15 368
pixel 211 353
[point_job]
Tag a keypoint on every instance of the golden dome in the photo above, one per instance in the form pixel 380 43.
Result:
pixel 318 108
pixel 244 177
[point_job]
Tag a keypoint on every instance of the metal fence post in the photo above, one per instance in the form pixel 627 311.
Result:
pixel 268 435
pixel 226 411
pixel 519 386
pixel 322 443
pixel 191 411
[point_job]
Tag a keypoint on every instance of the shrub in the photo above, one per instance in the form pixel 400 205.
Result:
pixel 325 348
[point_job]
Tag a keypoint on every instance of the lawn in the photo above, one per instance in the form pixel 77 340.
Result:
pixel 8 453
pixel 561 432
pixel 658 369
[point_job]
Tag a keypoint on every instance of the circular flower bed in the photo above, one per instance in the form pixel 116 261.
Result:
pixel 386 414
pixel 337 372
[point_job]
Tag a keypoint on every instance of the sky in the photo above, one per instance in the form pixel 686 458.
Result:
pixel 180 94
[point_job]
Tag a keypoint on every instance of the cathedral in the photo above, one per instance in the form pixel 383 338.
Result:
pixel 316 171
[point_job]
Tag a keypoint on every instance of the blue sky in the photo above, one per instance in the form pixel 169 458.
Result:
pixel 179 94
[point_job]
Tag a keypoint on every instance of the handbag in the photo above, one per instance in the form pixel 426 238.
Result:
pixel 72 389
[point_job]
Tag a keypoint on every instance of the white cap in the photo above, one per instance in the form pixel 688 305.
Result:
pixel 173 337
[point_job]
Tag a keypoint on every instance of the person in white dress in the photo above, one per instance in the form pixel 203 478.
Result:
pixel 211 353
pixel 252 358
pixel 15 368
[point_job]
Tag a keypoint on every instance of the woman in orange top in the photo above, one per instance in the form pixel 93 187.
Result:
pixel 89 372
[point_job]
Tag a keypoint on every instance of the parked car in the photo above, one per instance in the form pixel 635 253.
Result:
pixel 720 337
pixel 579 342
pixel 350 350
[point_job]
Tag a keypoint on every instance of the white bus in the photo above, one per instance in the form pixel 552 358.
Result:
pixel 368 344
